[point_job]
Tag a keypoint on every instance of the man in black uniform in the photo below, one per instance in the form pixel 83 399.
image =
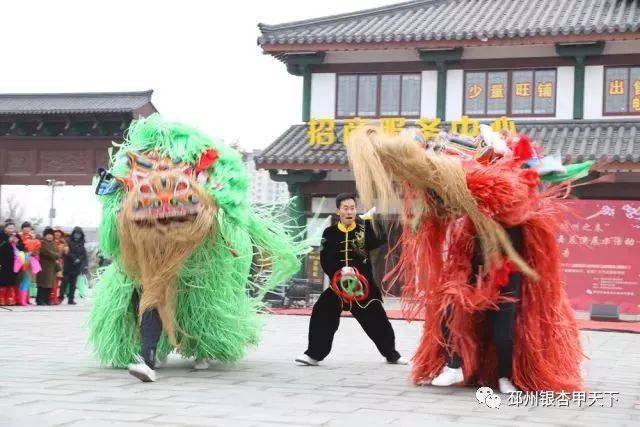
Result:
pixel 345 247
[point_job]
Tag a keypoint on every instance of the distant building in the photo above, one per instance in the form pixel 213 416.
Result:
pixel 262 189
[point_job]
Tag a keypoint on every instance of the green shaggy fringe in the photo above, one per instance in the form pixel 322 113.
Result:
pixel 215 316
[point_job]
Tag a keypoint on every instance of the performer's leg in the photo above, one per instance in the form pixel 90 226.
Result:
pixel 150 331
pixel 452 358
pixel 502 325
pixel 324 322
pixel 502 322
pixel 451 373
pixel 375 323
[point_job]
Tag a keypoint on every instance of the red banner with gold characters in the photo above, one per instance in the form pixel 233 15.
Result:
pixel 600 249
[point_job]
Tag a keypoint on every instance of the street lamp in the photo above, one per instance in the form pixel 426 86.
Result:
pixel 53 184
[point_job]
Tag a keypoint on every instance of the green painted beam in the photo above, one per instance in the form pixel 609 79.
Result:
pixel 300 65
pixel 440 57
pixel 306 95
pixel 441 92
pixel 579 52
pixel 579 49
pixel 578 88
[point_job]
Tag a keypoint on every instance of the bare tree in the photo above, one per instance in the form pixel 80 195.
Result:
pixel 15 211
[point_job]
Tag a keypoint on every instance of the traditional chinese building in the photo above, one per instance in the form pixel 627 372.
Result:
pixel 567 73
pixel 61 137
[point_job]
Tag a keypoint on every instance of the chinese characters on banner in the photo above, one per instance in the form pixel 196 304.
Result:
pixel 523 89
pixel 497 90
pixel 616 87
pixel 323 131
pixel 599 249
pixel 545 89
pixel 621 89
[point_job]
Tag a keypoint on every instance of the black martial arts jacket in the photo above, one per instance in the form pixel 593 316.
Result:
pixel 349 247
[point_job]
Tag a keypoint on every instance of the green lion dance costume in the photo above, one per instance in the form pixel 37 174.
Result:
pixel 182 236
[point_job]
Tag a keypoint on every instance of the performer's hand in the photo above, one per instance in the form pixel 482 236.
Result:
pixel 348 271
pixel 368 214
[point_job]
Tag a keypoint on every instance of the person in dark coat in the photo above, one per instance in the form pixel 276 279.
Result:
pixel 75 264
pixel 8 278
pixel 49 262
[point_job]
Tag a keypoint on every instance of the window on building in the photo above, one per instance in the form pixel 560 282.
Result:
pixel 511 93
pixel 622 90
pixel 378 95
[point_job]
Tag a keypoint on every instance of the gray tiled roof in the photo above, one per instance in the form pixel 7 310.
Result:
pixel 428 20
pixel 53 103
pixel 576 140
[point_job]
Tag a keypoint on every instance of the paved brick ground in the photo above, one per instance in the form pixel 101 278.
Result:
pixel 48 377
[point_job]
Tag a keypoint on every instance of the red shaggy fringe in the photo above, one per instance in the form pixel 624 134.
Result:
pixel 434 267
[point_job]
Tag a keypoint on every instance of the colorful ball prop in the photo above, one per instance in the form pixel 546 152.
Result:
pixel 350 287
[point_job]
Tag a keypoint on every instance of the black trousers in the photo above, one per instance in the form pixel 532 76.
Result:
pixel 69 282
pixel 502 323
pixel 325 319
pixel 43 295
pixel 150 331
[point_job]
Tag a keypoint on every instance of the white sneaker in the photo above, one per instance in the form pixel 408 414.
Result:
pixel 201 364
pixel 448 376
pixel 506 386
pixel 400 361
pixel 306 360
pixel 142 371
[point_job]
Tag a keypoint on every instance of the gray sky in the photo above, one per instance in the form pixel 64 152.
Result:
pixel 200 57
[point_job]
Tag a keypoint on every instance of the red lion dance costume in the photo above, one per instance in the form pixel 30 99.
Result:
pixel 457 201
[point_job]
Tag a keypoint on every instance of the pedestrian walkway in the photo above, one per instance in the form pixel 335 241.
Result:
pixel 48 377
